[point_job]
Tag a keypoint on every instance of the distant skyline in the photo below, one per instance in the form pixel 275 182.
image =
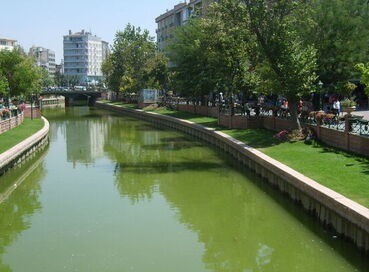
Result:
pixel 45 22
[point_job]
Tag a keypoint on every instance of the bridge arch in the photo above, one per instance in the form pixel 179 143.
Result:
pixel 71 96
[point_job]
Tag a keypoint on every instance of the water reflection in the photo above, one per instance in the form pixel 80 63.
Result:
pixel 84 133
pixel 241 226
pixel 19 196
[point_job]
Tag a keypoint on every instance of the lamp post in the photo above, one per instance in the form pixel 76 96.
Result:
pixel 31 106
pixel 320 84
pixel 32 101
pixel 7 102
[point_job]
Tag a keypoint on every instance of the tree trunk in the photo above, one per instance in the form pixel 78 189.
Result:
pixel 231 104
pixel 292 105
pixel 203 100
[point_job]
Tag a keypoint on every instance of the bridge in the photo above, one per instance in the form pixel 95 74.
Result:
pixel 71 96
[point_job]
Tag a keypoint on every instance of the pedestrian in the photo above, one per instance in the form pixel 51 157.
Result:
pixel 336 107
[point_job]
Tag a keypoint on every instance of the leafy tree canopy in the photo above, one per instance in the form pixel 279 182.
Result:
pixel 18 74
pixel 340 35
pixel 289 61
pixel 131 66
pixel 214 53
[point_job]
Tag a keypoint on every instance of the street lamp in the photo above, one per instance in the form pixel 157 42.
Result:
pixel 320 84
pixel 32 101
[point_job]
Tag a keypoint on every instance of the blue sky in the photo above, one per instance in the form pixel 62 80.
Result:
pixel 44 22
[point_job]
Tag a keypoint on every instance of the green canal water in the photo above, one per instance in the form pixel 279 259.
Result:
pixel 113 193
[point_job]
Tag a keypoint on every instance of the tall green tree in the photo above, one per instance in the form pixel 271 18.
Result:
pixel 59 79
pixel 192 75
pixel 214 53
pixel 290 62
pixel 341 35
pixel 20 73
pixel 46 79
pixel 4 87
pixel 364 71
pixel 132 66
pixel 71 80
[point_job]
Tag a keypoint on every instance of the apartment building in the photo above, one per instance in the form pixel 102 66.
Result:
pixel 59 68
pixel 45 58
pixel 6 44
pixel 84 54
pixel 176 17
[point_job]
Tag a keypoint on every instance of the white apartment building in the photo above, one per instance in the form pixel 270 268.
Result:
pixel 6 44
pixel 83 56
pixel 45 58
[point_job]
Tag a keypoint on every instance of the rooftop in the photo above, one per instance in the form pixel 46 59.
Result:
pixel 170 12
pixel 7 40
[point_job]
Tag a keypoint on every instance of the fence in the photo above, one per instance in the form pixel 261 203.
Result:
pixel 11 122
pixel 348 133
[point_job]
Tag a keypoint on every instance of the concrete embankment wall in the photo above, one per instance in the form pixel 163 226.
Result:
pixel 24 149
pixel 345 216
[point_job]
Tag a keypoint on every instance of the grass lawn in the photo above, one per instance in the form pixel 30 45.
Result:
pixel 203 120
pixel 20 133
pixel 343 172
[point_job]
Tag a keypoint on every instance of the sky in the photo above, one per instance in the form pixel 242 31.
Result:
pixel 44 22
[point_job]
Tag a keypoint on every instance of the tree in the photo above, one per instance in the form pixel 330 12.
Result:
pixel 46 79
pixel 190 66
pixel 59 79
pixel 213 53
pixel 71 80
pixel 134 63
pixel 341 35
pixel 291 63
pixel 364 70
pixel 4 87
pixel 157 74
pixel 20 73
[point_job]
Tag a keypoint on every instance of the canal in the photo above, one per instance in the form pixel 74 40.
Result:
pixel 113 193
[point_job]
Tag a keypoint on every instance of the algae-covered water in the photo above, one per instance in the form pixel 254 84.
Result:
pixel 113 193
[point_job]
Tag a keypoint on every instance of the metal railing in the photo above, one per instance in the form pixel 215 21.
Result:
pixel 359 126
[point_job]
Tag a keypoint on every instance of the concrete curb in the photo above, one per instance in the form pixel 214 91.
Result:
pixel 345 216
pixel 21 151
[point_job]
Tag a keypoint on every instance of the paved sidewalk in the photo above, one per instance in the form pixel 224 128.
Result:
pixel 362 113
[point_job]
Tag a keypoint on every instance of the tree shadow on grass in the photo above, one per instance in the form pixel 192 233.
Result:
pixel 257 138
pixel 361 160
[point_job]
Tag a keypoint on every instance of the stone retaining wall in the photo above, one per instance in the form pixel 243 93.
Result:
pixel 238 121
pixel 10 123
pixel 345 216
pixel 23 150
pixel 34 113
pixel 201 110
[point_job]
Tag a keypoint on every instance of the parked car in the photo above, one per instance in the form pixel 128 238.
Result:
pixel 80 88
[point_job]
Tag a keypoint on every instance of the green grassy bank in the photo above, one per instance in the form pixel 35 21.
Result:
pixel 20 133
pixel 343 172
